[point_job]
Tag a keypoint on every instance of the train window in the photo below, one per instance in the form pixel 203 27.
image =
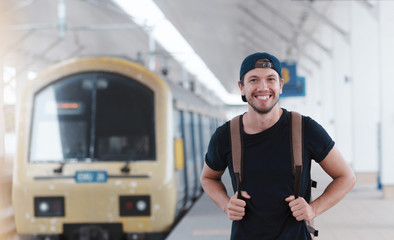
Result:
pixel 125 120
pixel 187 118
pixel 206 132
pixel 197 141
pixel 61 120
pixel 93 116
pixel 177 124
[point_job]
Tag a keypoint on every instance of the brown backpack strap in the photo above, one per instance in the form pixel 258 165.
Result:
pixel 296 142
pixel 296 145
pixel 236 149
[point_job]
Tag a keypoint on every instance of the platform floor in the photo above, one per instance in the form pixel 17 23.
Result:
pixel 362 215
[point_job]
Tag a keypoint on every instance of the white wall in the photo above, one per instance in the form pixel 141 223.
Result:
pixel 365 79
pixel 352 91
pixel 386 75
pixel 342 85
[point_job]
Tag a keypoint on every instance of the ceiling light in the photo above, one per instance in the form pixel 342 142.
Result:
pixel 151 18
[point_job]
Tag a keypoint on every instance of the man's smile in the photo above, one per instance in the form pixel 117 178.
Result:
pixel 265 97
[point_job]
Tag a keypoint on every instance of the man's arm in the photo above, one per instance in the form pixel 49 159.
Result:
pixel 211 181
pixel 343 181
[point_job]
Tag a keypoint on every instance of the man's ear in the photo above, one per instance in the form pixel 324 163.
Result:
pixel 282 83
pixel 241 87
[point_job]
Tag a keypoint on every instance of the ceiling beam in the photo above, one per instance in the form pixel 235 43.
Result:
pixel 29 26
pixel 277 32
pixel 61 18
pixel 111 8
pixel 295 28
pixel 18 6
pixel 323 19
pixel 92 27
pixel 256 38
pixel 15 44
pixel 33 59
pixel 370 3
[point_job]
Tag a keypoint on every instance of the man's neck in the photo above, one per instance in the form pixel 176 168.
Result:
pixel 256 122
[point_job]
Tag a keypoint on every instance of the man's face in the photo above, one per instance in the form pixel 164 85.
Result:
pixel 262 87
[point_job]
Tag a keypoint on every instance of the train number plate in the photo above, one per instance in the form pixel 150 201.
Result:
pixel 91 176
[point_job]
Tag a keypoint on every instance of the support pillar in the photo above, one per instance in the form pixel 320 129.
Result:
pixel 2 117
pixel 364 42
pixel 386 80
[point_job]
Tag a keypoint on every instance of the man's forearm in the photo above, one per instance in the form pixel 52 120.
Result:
pixel 343 181
pixel 216 191
pixel 334 192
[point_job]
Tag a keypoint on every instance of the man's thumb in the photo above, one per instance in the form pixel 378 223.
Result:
pixel 245 194
pixel 290 198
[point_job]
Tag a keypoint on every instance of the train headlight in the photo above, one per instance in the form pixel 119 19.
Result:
pixel 141 205
pixel 134 205
pixel 49 206
pixel 43 207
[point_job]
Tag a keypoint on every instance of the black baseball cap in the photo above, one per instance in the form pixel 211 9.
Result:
pixel 254 61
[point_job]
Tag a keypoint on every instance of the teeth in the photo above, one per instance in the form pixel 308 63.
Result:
pixel 263 97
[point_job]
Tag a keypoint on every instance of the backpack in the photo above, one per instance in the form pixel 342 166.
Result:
pixel 296 142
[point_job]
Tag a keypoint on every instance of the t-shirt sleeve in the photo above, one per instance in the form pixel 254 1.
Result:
pixel 317 140
pixel 214 157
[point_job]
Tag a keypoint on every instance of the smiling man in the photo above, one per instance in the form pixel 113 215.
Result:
pixel 268 209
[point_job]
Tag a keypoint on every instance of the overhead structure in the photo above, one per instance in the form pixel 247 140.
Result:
pixel 330 42
pixel 225 30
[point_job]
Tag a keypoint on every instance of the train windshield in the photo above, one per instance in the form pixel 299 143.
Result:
pixel 93 117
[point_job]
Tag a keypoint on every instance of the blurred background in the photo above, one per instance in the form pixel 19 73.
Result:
pixel 338 58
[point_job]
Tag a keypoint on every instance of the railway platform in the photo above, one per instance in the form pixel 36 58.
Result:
pixel 362 215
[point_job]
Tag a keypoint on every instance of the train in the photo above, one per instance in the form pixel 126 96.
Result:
pixel 107 149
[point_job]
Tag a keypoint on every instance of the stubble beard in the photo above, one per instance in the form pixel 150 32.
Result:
pixel 262 110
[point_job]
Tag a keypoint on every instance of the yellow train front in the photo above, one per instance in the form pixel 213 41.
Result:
pixel 101 148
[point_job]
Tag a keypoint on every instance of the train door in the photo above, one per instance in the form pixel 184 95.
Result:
pixel 205 135
pixel 189 158
pixel 180 171
pixel 198 159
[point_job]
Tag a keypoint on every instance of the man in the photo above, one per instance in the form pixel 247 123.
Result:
pixel 268 209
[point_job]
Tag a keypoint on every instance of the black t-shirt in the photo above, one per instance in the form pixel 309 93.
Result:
pixel 267 177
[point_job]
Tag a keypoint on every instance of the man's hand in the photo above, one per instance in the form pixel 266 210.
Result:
pixel 300 208
pixel 236 207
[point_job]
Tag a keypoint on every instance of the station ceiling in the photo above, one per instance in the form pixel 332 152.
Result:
pixel 35 34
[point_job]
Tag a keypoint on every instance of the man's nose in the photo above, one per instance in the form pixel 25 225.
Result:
pixel 262 85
